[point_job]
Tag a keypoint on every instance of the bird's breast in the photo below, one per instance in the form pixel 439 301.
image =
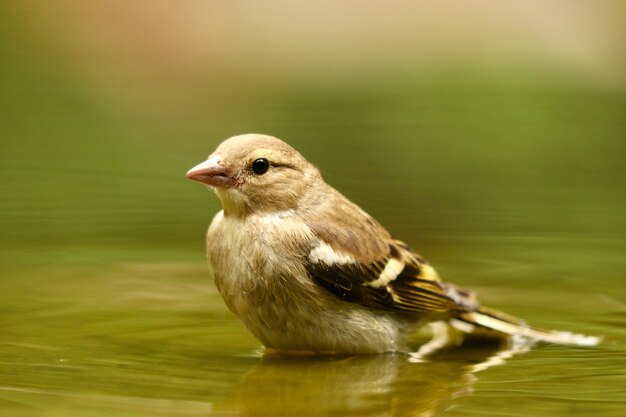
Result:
pixel 257 254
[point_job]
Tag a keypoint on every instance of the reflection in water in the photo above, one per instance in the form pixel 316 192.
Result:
pixel 377 385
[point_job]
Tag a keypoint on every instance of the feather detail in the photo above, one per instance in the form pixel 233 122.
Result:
pixel 392 269
pixel 324 253
pixel 494 320
pixel 399 282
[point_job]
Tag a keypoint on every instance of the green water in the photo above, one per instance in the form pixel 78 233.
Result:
pixel 511 184
pixel 137 331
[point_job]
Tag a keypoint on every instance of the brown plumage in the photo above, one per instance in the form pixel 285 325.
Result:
pixel 304 268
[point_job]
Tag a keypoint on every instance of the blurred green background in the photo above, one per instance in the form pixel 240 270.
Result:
pixel 488 135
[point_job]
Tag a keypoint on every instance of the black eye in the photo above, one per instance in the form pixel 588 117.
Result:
pixel 260 166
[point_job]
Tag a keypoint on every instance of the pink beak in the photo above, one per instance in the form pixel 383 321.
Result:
pixel 213 172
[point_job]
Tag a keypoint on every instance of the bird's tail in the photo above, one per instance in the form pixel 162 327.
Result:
pixel 484 318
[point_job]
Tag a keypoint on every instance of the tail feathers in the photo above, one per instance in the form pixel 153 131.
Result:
pixel 503 323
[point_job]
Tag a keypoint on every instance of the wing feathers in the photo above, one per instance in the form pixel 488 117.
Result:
pixel 399 281
pixel 324 253
pixel 390 272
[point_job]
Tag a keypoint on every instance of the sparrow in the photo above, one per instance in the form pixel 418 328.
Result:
pixel 306 269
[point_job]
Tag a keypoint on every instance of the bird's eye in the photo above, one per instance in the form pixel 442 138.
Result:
pixel 260 166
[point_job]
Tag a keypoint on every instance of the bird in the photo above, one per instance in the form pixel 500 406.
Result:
pixel 307 270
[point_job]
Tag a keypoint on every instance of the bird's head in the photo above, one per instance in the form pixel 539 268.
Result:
pixel 255 173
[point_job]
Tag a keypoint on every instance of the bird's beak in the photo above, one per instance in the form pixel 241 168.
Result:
pixel 213 172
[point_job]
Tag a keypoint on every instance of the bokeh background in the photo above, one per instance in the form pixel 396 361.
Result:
pixel 489 135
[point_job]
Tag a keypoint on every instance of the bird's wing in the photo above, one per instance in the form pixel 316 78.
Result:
pixel 400 281
pixel 378 272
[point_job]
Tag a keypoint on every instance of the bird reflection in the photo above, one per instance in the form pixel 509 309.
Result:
pixel 376 385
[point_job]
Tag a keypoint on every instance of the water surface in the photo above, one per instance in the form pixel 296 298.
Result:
pixel 92 330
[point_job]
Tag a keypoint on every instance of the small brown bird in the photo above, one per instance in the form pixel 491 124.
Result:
pixel 306 269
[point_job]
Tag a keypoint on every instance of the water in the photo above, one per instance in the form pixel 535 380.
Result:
pixel 92 330
pixel 509 183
